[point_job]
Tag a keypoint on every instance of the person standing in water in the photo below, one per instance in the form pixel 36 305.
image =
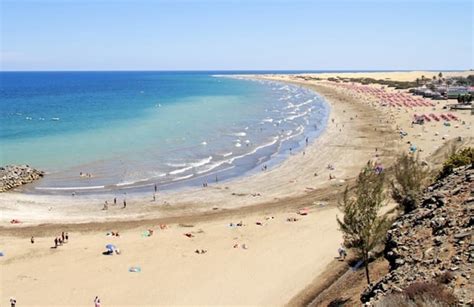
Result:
pixel 156 188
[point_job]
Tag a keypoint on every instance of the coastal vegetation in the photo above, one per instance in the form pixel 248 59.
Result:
pixel 362 225
pixel 414 187
pixel 421 294
pixel 390 83
pixel 409 180
pixel 458 158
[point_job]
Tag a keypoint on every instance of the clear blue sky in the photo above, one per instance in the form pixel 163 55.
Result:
pixel 245 34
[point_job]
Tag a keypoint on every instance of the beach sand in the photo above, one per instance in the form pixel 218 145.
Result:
pixel 282 257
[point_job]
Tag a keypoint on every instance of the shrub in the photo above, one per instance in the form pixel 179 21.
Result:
pixel 400 300
pixel 457 159
pixel 430 291
pixel 338 302
pixel 445 278
pixel 409 180
pixel 420 294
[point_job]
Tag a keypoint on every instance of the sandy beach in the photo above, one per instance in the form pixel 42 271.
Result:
pixel 253 264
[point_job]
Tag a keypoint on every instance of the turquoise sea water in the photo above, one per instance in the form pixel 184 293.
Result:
pixel 130 130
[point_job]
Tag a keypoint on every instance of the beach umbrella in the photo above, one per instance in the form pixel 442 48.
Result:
pixel 111 247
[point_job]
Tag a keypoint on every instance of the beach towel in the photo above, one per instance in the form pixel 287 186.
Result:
pixel 135 269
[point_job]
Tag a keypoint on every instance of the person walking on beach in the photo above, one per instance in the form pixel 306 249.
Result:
pixel 32 240
pixel 156 188
pixel 342 253
pixel 124 203
pixel 12 302
pixel 62 236
pixel 67 236
pixel 56 242
pixel 154 197
pixel 115 200
pixel 97 301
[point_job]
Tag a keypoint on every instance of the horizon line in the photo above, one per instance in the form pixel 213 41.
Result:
pixel 240 70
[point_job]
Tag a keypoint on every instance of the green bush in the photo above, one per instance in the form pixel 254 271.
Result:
pixel 409 179
pixel 460 158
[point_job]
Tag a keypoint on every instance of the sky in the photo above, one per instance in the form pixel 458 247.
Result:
pixel 236 35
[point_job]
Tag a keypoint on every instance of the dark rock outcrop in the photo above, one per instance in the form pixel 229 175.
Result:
pixel 433 241
pixel 12 176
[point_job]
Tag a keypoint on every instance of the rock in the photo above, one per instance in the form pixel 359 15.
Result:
pixel 13 176
pixel 460 236
pixel 432 240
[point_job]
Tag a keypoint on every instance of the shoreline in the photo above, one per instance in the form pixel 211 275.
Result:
pixel 290 113
pixel 296 172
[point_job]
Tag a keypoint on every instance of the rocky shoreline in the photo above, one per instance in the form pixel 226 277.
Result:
pixel 433 243
pixel 13 176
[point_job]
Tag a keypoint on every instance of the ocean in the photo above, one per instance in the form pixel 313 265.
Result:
pixel 128 131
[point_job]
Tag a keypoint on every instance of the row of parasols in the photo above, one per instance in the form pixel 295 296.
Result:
pixel 428 117
pixel 392 99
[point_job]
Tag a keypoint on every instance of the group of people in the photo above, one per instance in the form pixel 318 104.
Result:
pixel 106 203
pixel 87 175
pixel 58 241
